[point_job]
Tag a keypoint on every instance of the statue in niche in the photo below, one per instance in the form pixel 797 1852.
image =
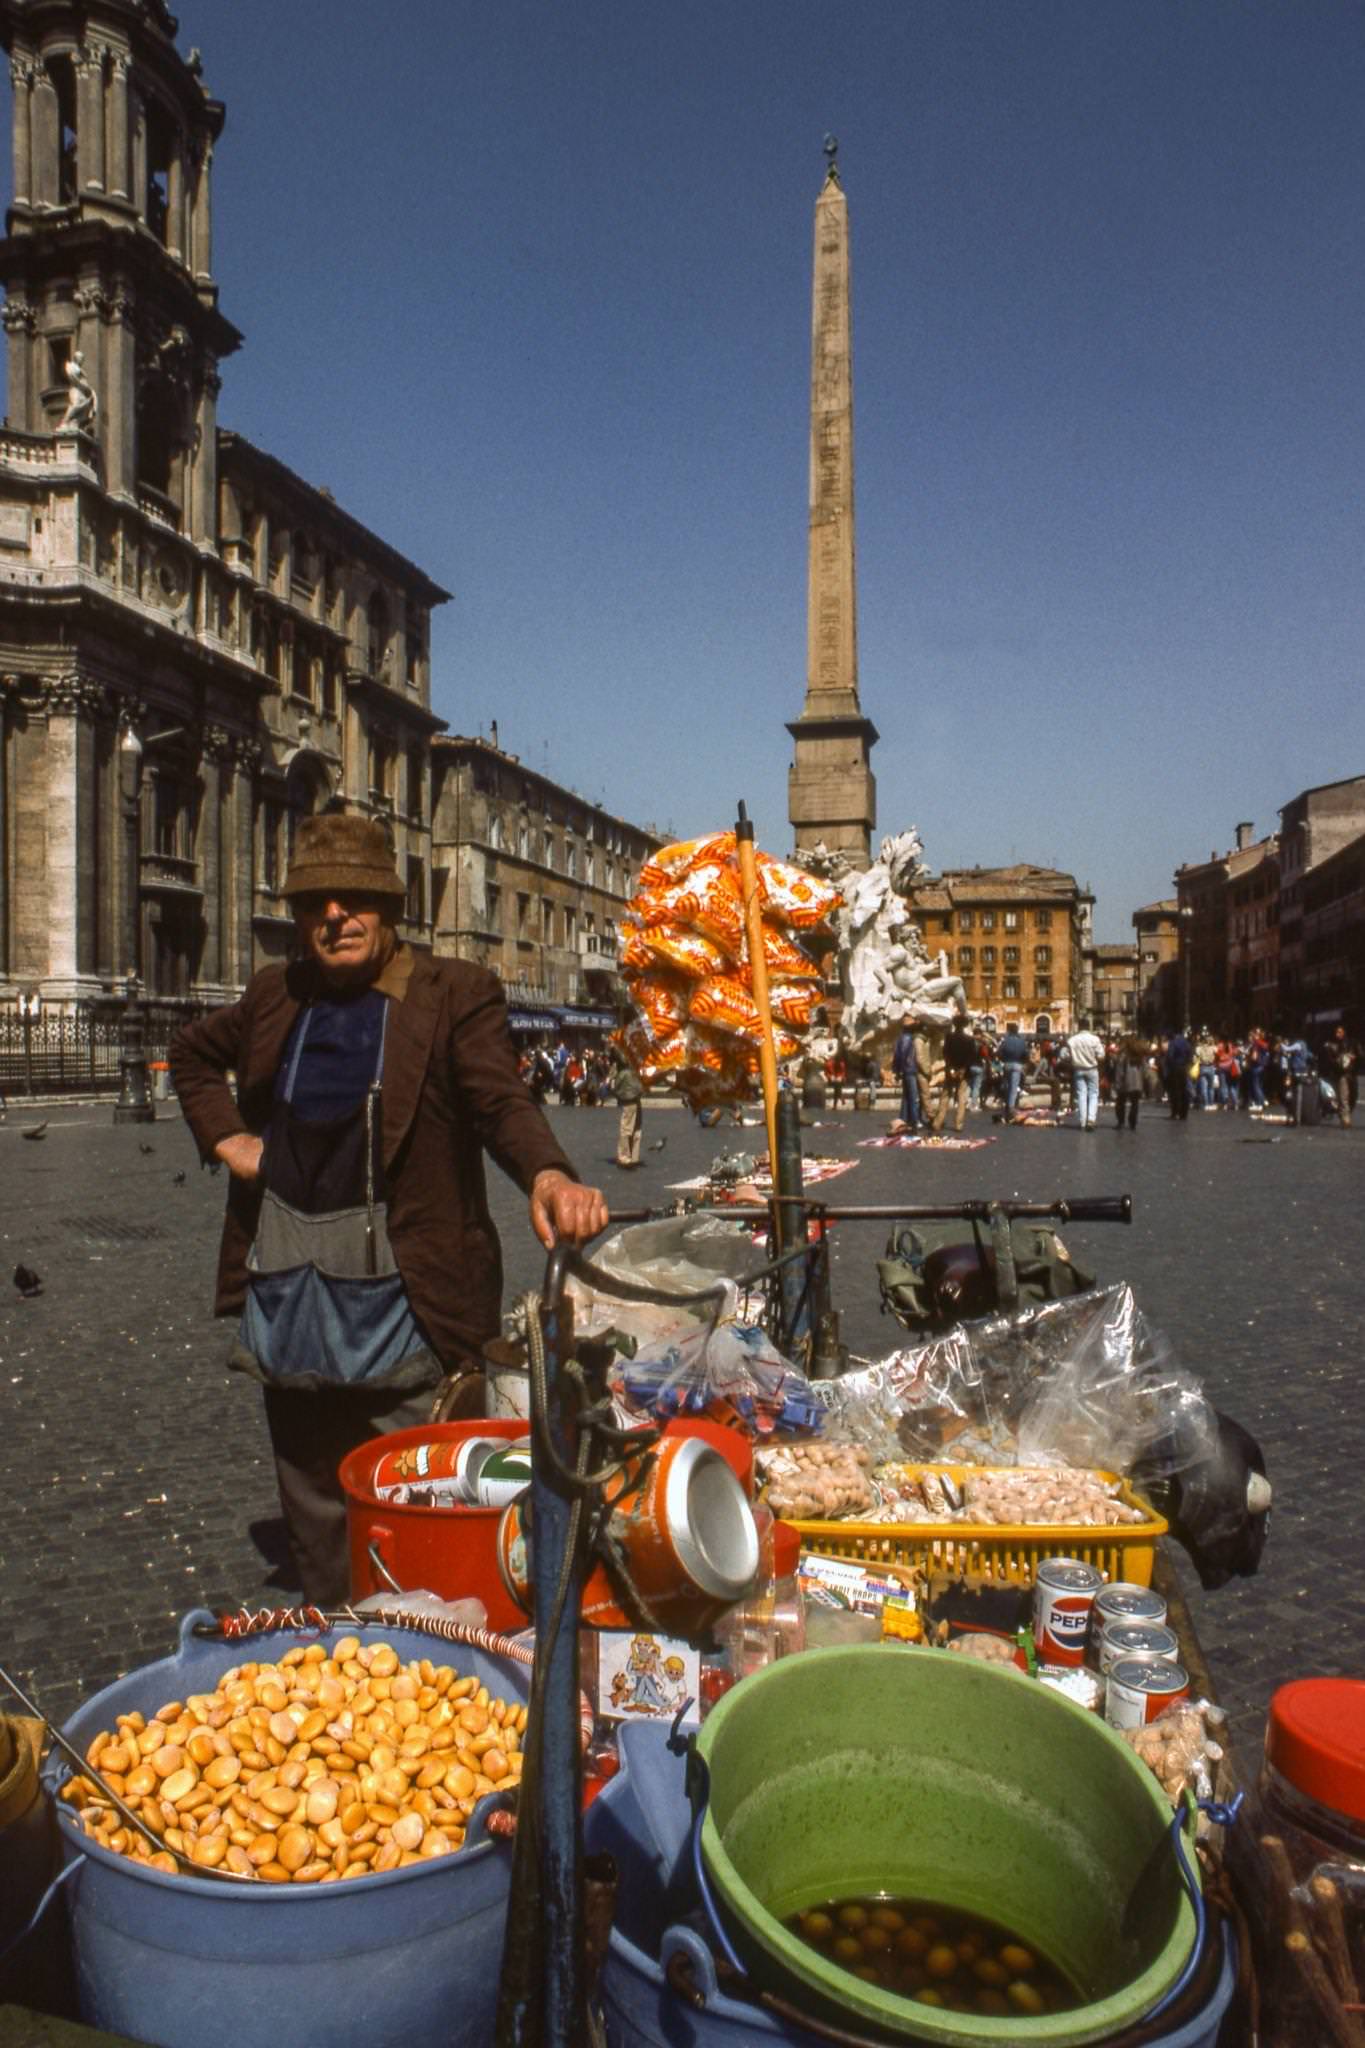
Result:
pixel 886 972
pixel 81 403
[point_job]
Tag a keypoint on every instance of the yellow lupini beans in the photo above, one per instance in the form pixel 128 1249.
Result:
pixel 322 1767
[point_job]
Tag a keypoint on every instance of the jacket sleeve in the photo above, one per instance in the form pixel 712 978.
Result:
pixel 202 1054
pixel 509 1123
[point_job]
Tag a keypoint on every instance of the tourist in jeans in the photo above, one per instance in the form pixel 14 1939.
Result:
pixel 1086 1050
pixel 904 1067
pixel 1013 1055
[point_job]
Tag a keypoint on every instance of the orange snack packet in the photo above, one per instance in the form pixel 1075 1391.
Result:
pixel 675 946
pixel 794 896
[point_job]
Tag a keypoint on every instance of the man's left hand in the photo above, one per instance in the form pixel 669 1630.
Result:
pixel 565 1212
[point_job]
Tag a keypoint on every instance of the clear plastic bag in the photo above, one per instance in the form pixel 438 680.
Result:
pixel 1087 1382
pixel 676 1254
pixel 722 1371
pixel 1112 1394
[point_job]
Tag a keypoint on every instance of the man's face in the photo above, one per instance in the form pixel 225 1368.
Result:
pixel 349 934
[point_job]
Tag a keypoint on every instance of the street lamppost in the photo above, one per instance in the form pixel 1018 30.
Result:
pixel 134 1106
pixel 1186 917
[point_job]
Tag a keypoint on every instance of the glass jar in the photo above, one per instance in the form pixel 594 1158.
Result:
pixel 1300 1851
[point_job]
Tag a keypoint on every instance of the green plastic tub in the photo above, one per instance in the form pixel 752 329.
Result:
pixel 924 1774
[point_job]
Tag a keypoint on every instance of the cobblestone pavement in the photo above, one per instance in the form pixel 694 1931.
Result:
pixel 136 1471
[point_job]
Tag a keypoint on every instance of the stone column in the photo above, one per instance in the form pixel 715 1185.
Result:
pixel 203 491
pixel 175 202
pixel 89 67
pixel 201 222
pixel 47 140
pixel 215 861
pixel 64 694
pixel 21 78
pixel 118 399
pixel 20 323
pixel 116 126
pixel 139 192
pixel 243 886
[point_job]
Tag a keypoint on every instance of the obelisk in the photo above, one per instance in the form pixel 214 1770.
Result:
pixel 831 790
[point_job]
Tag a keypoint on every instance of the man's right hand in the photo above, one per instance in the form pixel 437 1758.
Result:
pixel 240 1154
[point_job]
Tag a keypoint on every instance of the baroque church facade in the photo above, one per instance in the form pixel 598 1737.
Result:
pixel 197 647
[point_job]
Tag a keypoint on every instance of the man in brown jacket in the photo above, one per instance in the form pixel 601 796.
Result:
pixel 358 1248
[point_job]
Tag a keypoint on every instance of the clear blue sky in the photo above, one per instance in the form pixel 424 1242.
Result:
pixel 527 286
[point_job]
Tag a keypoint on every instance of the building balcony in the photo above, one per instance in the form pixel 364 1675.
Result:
pixel 597 951
pixel 156 505
pixel 166 874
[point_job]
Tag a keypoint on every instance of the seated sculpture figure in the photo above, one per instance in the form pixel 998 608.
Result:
pixel 886 971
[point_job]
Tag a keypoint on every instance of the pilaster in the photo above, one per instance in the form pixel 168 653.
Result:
pixel 47 140
pixel 89 68
pixel 201 221
pixel 116 125
pixel 21 72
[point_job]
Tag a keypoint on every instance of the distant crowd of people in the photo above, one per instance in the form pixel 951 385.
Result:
pixel 971 1069
pixel 579 1079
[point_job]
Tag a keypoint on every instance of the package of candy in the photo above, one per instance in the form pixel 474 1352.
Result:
pixel 793 896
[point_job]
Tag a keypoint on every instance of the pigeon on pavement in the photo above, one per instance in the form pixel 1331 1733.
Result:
pixel 35 1130
pixel 27 1281
pixel 658 1145
pixel 180 1180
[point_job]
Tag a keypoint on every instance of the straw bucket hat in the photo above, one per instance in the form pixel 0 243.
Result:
pixel 343 853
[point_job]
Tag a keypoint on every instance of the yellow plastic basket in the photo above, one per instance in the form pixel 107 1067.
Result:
pixel 1009 1554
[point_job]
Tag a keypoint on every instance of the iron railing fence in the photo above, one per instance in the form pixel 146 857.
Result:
pixel 75 1050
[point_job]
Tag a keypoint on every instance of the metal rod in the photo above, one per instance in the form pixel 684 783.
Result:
pixel 561 1768
pixel 88 1770
pixel 758 971
pixel 791 1233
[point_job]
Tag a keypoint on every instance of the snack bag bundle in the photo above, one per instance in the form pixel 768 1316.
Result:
pixel 686 964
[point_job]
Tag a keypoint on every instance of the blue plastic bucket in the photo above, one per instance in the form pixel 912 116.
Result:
pixel 642 1819
pixel 188 1962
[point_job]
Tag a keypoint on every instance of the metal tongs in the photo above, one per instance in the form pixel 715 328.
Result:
pixel 134 1820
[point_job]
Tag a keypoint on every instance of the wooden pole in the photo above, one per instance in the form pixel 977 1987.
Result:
pixel 758 968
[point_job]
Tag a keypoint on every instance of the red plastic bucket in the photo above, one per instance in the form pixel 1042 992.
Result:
pixel 451 1551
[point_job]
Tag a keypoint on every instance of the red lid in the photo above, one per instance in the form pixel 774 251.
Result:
pixel 1315 1737
pixel 786 1549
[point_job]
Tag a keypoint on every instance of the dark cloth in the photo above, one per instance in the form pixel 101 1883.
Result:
pixel 310 1435
pixel 340 1054
pixel 451 1092
pixel 960 1052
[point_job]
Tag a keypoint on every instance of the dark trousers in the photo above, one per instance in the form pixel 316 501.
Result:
pixel 1127 1100
pixel 310 1434
pixel 1178 1091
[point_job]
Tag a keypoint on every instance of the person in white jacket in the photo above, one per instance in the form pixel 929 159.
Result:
pixel 1086 1051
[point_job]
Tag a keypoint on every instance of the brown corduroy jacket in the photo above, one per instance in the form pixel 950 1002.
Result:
pixel 451 1091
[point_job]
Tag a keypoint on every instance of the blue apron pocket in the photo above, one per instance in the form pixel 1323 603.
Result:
pixel 303 1325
